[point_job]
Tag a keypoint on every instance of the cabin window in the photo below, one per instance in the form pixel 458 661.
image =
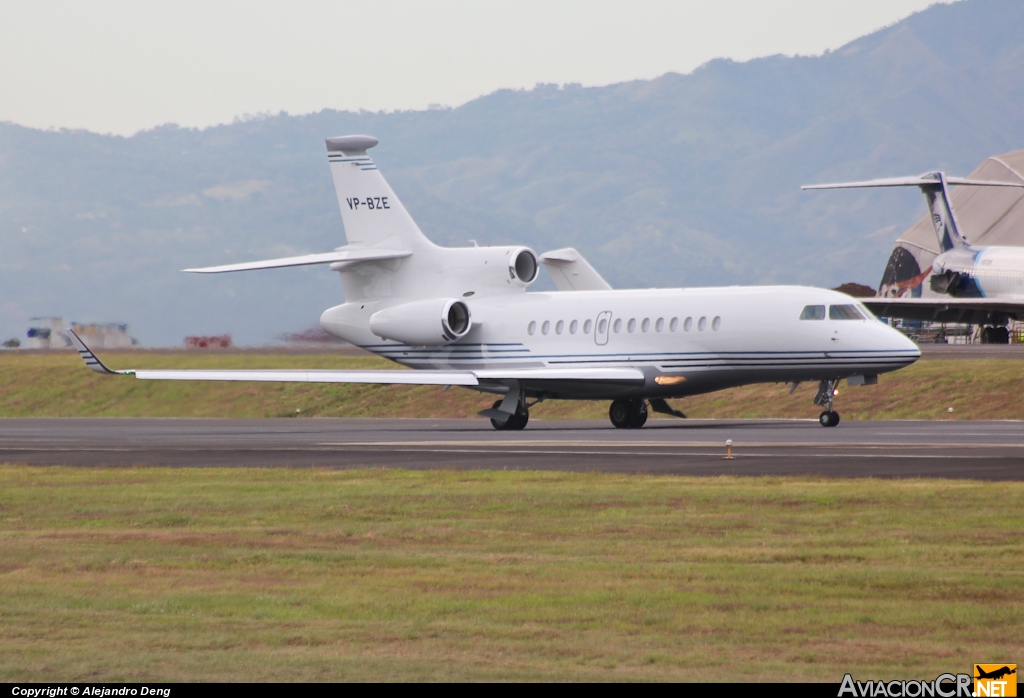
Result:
pixel 645 326
pixel 587 324
pixel 813 312
pixel 617 325
pixel 702 323
pixel 631 325
pixel 844 312
pixel 688 325
pixel 545 328
pixel 573 326
pixel 532 327
pixel 659 326
pixel 674 325
pixel 559 327
pixel 716 323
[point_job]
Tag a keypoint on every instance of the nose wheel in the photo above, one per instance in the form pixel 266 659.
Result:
pixel 628 414
pixel 827 390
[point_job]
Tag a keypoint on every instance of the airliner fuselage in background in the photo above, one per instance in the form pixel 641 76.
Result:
pixel 462 316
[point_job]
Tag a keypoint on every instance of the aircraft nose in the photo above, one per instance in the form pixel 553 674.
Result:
pixel 904 345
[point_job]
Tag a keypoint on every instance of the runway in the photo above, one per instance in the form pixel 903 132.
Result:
pixel 948 449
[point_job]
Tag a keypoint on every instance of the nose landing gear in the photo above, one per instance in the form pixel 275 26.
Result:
pixel 628 414
pixel 829 418
pixel 826 391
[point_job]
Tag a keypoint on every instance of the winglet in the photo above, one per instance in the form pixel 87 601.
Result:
pixel 91 360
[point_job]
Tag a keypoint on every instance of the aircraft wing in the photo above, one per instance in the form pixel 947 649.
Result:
pixel 386 376
pixel 970 310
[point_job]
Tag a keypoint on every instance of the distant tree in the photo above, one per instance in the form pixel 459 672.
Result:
pixel 856 290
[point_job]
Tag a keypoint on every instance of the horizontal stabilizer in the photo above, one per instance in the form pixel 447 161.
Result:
pixel 919 181
pixel 571 272
pixel 342 254
pixel 933 185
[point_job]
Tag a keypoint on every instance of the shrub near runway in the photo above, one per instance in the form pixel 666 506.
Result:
pixel 58 385
pixel 236 574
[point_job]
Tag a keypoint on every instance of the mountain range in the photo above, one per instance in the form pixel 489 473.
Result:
pixel 677 181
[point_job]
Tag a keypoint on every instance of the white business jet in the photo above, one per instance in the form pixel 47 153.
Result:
pixel 462 316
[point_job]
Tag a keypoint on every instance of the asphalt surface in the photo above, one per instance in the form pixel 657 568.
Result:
pixel 972 351
pixel 948 449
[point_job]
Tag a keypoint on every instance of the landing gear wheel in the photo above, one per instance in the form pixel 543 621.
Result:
pixel 640 418
pixel 628 414
pixel 827 389
pixel 513 423
pixel 518 421
pixel 995 335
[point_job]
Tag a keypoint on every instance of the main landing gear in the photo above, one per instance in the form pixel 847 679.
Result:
pixel 995 335
pixel 628 414
pixel 515 422
pixel 826 391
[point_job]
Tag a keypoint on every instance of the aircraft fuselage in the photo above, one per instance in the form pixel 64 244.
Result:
pixel 685 341
pixel 980 272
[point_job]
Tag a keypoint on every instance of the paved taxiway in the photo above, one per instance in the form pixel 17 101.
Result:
pixel 972 351
pixel 975 450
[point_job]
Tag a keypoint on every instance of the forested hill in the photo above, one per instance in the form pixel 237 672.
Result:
pixel 681 180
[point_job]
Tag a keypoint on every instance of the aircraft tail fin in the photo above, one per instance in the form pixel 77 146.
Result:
pixel 372 214
pixel 935 186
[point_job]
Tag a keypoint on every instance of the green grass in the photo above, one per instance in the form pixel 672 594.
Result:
pixel 259 574
pixel 58 385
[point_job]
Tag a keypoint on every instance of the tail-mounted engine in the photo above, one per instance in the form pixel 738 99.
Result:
pixel 948 282
pixel 424 323
pixel 523 266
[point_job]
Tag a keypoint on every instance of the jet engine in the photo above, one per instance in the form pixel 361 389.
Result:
pixel 423 323
pixel 948 282
pixel 523 266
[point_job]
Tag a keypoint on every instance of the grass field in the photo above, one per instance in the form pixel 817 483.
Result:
pixel 225 574
pixel 58 385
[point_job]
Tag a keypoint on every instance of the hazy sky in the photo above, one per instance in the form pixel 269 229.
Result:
pixel 123 66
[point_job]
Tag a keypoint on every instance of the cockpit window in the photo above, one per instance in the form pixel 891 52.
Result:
pixel 844 312
pixel 813 312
